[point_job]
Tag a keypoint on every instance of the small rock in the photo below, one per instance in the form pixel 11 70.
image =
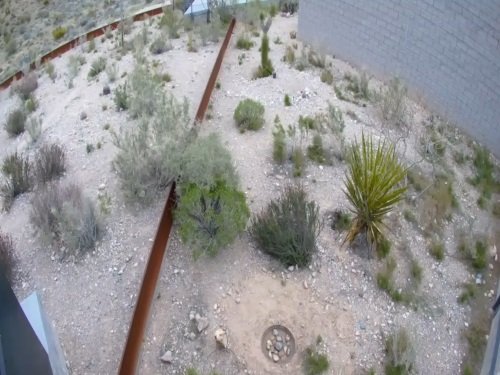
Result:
pixel 83 116
pixel 167 357
pixel 269 344
pixel 279 338
pixel 102 187
pixel 278 345
pixel 291 268
pixel 275 332
pixel 221 338
pixel 192 315
pixel 201 324
pixel 237 300
pixel 106 90
pixel 276 357
pixel 287 338
pixel 306 286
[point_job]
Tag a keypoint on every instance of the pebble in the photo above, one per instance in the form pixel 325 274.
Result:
pixel 306 286
pixel 167 357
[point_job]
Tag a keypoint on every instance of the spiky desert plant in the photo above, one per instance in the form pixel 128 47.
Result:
pixel 373 186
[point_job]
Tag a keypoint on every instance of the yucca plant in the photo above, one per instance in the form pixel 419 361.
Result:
pixel 373 186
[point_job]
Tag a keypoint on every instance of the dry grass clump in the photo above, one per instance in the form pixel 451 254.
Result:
pixel 18 179
pixel 393 104
pixel 50 163
pixel 64 216
pixel 400 354
pixel 16 122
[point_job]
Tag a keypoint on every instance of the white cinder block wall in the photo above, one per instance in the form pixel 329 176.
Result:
pixel 447 51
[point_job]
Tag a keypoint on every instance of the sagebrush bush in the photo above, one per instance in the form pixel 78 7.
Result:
pixel 26 86
pixel 172 21
pixel 326 76
pixel 50 163
pixel 373 186
pixel 18 179
pixel 315 151
pixel 287 101
pixel 97 67
pixel 64 216
pixel 150 155
pixel 279 144
pixel 210 218
pixel 8 259
pixel 358 85
pixel 249 115
pixel 146 96
pixel 31 104
pixel 315 363
pixel 34 128
pixel 288 228
pixel 16 122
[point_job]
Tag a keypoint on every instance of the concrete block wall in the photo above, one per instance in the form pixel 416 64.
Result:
pixel 447 51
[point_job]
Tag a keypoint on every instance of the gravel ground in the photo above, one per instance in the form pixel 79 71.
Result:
pixel 243 291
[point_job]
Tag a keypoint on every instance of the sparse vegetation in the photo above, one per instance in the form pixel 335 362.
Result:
pixel 468 293
pixel 484 178
pixel 393 105
pixel 26 86
pixel 358 85
pixel 326 76
pixel 315 151
pixel 287 100
pixel 315 363
pixel 436 249
pixel 287 229
pixel 373 186
pixel 400 355
pixel 160 45
pixel 266 67
pixel 341 220
pixel 97 67
pixel 244 42
pixel 249 115
pixel 18 179
pixel 383 248
pixel 63 216
pixel 279 143
pixel 34 128
pixel 121 98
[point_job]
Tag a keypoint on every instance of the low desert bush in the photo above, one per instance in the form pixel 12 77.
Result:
pixel 358 85
pixel 50 70
pixel 34 128
pixel 315 151
pixel 210 218
pixel 8 259
pixel 298 161
pixel 279 143
pixel 31 104
pixel 287 101
pixel 249 115
pixel 392 104
pixel 326 76
pixel 146 96
pixel 160 45
pixel 289 56
pixel 484 178
pixel 373 186
pixel 50 163
pixel 64 216
pixel 436 249
pixel 18 179
pixel 266 67
pixel 16 122
pixel 172 21
pixel 315 363
pixel 149 155
pixel 97 67
pixel 26 86
pixel 400 355
pixel 468 293
pixel 59 32
pixel 340 220
pixel 416 271
pixel 316 59
pixel 288 228
pixel 121 98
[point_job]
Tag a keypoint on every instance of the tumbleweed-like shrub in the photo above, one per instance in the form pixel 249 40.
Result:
pixel 64 216
pixel 50 163
pixel 288 228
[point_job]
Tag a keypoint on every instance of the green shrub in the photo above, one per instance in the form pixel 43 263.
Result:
pixel 210 218
pixel 26 86
pixel 273 10
pixel 279 144
pixel 146 96
pixel 358 85
pixel 316 59
pixel 59 32
pixel 400 355
pixel 62 215
pixel 172 21
pixel 16 122
pixel 287 101
pixel 50 70
pixel 326 76
pixel 34 128
pixel 18 180
pixel 480 259
pixel 288 228
pixel 315 363
pixel 468 293
pixel 315 151
pixel 416 271
pixel 249 115
pixel 121 98
pixel 266 67
pixel 243 42
pixel 289 55
pixel 436 249
pixel 373 186
pixel 8 259
pixel 484 178
pixel 50 163
pixel 31 104
pixel 383 248
pixel 97 67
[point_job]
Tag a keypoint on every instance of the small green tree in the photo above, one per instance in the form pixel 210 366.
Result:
pixel 210 218
pixel 373 186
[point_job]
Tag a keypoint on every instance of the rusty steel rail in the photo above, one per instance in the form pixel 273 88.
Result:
pixel 65 47
pixel 200 114
pixel 132 351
